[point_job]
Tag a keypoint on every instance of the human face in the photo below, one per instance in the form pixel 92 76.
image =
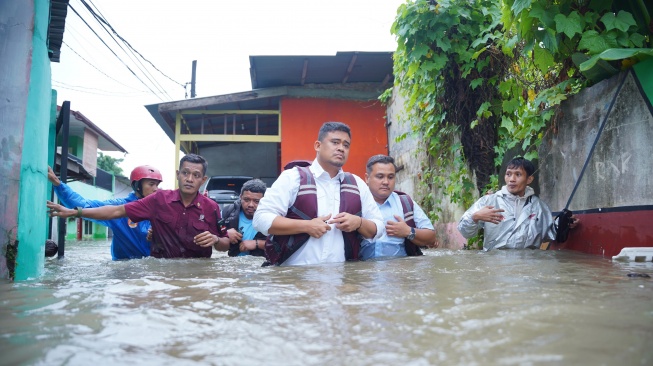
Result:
pixel 381 181
pixel 249 203
pixel 333 150
pixel 190 178
pixel 517 180
pixel 149 186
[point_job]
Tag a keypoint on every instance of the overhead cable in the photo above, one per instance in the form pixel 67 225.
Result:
pixel 132 57
pixel 101 19
pixel 127 66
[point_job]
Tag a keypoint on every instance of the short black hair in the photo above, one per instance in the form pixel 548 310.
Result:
pixel 520 162
pixel 51 248
pixel 195 159
pixel 254 186
pixel 331 127
pixel 379 159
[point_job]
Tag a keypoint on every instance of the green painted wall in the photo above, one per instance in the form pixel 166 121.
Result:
pixel 644 72
pixel 32 216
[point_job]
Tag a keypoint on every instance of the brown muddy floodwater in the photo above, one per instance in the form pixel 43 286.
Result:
pixel 445 308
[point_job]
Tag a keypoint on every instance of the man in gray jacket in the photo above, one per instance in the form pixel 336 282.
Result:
pixel 513 217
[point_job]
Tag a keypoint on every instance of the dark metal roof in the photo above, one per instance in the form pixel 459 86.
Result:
pixel 344 67
pixel 58 11
pixel 79 122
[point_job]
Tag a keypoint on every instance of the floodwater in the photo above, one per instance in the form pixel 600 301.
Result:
pixel 445 308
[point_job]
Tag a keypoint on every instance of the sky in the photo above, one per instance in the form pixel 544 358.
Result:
pixel 112 89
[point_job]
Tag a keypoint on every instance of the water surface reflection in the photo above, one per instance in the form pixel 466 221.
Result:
pixel 448 307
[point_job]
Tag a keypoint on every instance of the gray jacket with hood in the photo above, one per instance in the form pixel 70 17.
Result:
pixel 527 221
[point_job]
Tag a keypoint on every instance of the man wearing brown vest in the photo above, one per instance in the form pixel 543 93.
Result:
pixel 319 214
pixel 406 225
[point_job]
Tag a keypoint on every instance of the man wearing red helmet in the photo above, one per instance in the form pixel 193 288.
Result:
pixel 184 223
pixel 129 238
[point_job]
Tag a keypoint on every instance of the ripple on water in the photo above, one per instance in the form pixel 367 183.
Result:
pixel 446 307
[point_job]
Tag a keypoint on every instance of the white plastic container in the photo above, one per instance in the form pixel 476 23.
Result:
pixel 637 254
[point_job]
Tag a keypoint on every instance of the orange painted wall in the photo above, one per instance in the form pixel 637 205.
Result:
pixel 301 119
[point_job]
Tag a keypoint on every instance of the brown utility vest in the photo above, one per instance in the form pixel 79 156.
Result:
pixel 278 248
pixel 409 218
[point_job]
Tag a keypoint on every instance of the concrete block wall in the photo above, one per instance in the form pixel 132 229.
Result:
pixel 618 172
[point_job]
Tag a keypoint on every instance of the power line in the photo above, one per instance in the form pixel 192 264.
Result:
pixel 95 67
pixel 133 57
pixel 81 88
pixel 101 19
pixel 100 38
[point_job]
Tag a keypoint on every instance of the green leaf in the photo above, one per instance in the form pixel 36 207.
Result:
pixel 593 42
pixel 421 50
pixel 543 15
pixel 622 21
pixel 482 40
pixel 510 105
pixel 476 82
pixel 483 108
pixel 444 43
pixel 637 40
pixel 616 54
pixel 519 5
pixel 478 53
pixel 505 86
pixel 571 25
pixel 543 59
pixel 507 123
pixel 531 155
pixel 549 40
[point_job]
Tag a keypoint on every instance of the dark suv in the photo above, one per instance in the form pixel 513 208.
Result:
pixel 225 189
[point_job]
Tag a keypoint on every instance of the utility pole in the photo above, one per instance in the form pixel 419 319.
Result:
pixel 192 80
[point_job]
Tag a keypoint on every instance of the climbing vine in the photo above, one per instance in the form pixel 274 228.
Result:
pixel 484 78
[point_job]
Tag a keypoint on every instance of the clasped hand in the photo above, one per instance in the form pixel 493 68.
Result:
pixel 397 228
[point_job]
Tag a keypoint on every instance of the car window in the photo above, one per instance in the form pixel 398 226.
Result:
pixel 226 183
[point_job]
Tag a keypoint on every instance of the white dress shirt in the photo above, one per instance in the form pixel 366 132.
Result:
pixel 281 196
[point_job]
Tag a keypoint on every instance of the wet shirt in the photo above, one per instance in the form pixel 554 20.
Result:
pixel 392 246
pixel 129 238
pixel 174 226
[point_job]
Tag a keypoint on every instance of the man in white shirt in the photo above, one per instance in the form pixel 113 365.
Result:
pixel 325 232
pixel 406 225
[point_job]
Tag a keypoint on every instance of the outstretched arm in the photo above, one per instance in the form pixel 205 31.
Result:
pixel 98 213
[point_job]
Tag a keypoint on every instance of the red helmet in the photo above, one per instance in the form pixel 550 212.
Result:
pixel 145 171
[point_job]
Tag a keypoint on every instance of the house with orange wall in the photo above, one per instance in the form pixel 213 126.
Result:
pixel 255 133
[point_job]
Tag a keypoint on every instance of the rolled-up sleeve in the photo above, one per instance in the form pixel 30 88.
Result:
pixel 370 208
pixel 277 200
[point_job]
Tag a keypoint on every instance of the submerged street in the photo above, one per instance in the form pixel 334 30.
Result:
pixel 447 307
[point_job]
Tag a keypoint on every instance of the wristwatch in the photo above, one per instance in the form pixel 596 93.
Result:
pixel 411 236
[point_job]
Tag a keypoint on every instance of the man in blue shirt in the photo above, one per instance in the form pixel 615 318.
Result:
pixel 243 238
pixel 129 238
pixel 405 229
